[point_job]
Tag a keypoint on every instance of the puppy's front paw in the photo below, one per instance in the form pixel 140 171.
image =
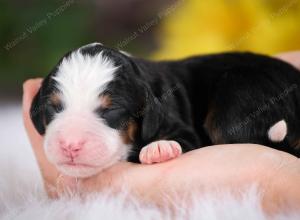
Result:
pixel 160 151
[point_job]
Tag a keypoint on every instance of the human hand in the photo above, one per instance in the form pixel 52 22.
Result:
pixel 291 57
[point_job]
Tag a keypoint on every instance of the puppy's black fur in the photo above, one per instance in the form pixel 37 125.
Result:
pixel 203 100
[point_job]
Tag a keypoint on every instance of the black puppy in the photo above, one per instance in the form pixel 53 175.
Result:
pixel 99 106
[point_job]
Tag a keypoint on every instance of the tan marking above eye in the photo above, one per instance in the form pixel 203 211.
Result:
pixel 55 99
pixel 105 101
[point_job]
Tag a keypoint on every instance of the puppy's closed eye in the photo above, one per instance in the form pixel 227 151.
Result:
pixel 114 116
pixel 112 112
pixel 53 108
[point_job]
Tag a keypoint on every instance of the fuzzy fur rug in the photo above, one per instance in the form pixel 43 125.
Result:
pixel 22 195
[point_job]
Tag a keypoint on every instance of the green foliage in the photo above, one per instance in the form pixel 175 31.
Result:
pixel 34 34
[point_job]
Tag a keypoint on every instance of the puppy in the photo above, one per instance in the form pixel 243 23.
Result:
pixel 99 106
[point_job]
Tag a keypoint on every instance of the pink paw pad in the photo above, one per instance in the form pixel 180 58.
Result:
pixel 160 151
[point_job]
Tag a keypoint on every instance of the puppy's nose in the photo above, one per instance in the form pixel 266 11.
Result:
pixel 71 148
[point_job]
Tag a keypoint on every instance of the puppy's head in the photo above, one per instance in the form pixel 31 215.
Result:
pixel 91 108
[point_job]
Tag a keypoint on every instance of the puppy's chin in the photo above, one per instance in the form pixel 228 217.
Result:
pixel 80 170
pixel 85 166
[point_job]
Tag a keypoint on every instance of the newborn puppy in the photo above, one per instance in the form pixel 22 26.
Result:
pixel 99 106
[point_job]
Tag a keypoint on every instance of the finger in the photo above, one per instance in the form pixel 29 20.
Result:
pixel 30 88
pixel 291 57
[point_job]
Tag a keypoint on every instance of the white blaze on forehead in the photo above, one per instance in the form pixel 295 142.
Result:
pixel 81 78
pixel 278 131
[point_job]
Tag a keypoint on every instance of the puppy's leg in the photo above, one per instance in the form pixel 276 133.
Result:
pixel 160 151
pixel 171 143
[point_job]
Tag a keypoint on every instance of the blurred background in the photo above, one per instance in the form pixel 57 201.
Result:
pixel 34 34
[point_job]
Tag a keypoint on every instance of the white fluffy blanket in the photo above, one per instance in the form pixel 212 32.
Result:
pixel 22 195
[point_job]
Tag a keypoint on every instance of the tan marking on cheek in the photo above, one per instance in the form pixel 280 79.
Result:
pixel 128 134
pixel 105 101
pixel 296 144
pixel 214 133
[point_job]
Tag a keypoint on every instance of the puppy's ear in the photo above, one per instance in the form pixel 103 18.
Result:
pixel 37 113
pixel 152 113
pixel 152 116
